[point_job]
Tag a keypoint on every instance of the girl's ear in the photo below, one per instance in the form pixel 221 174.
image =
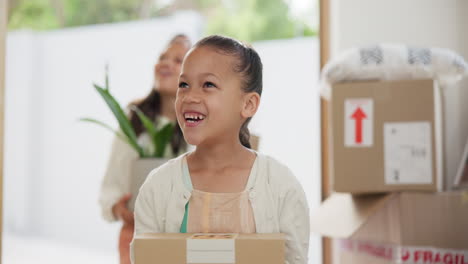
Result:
pixel 250 105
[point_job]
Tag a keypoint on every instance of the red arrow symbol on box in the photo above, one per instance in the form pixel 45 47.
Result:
pixel 358 115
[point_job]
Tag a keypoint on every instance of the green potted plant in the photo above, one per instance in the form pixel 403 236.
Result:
pixel 160 138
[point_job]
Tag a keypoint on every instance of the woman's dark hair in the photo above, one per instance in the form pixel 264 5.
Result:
pixel 249 65
pixel 151 107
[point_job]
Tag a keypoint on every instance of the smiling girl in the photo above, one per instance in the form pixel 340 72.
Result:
pixel 223 186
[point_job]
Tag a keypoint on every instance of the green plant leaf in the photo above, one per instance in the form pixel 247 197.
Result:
pixel 162 138
pixel 148 124
pixel 122 119
pixel 102 124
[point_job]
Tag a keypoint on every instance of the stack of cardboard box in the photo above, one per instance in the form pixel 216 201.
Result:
pixel 386 156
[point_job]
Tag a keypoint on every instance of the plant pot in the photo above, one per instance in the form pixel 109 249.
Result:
pixel 139 171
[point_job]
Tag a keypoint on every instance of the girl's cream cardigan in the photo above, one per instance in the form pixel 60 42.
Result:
pixel 278 201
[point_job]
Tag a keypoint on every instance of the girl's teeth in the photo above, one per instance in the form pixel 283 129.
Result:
pixel 194 117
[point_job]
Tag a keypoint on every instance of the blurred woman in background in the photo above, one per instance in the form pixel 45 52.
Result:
pixel 158 105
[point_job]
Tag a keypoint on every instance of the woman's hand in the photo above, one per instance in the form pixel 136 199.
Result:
pixel 121 211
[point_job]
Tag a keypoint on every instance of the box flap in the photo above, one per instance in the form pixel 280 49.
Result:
pixel 342 214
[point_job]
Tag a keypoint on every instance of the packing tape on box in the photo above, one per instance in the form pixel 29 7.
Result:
pixel 405 254
pixel 211 248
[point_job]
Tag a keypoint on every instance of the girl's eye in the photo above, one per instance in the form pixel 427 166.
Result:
pixel 183 85
pixel 179 61
pixel 209 85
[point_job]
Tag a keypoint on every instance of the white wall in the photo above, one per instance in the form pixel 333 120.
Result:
pixel 18 139
pixel 55 164
pixel 288 120
pixel 426 23
pixel 415 22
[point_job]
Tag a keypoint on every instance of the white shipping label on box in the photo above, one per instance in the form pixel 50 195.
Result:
pixel 408 153
pixel 211 248
pixel 359 122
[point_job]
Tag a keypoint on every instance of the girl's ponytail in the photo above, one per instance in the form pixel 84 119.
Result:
pixel 244 134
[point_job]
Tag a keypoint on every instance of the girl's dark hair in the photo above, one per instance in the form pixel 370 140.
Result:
pixel 151 107
pixel 249 65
